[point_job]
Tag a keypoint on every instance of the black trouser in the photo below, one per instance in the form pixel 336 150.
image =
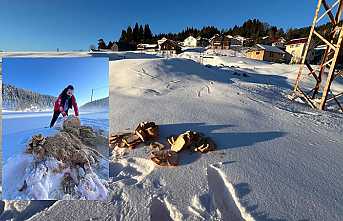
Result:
pixel 55 116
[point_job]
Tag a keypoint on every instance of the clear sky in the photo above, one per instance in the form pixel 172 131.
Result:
pixel 51 75
pixel 75 24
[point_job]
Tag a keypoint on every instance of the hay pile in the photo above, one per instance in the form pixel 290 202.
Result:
pixel 73 145
pixel 71 152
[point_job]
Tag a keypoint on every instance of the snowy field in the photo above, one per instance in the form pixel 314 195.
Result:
pixel 276 159
pixel 18 128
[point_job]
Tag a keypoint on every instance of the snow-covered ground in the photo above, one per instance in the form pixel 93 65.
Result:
pixel 18 128
pixel 276 159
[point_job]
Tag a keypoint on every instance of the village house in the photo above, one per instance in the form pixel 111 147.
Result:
pixel 115 47
pixel 190 42
pixel 202 42
pixel 169 46
pixel 319 52
pixel 295 48
pixel 147 47
pixel 266 40
pixel 266 53
pixel 239 41
pixel 220 42
pixel 280 43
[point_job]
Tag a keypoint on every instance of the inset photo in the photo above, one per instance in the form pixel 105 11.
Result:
pixel 55 128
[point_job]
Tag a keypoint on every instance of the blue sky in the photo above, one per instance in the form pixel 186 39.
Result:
pixel 75 24
pixel 51 75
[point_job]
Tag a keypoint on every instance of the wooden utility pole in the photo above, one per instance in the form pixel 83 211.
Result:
pixel 321 94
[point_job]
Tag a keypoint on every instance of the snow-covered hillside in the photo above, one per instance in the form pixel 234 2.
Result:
pixel 18 99
pixel 276 159
pixel 96 106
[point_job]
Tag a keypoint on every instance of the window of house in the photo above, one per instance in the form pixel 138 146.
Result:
pixel 257 53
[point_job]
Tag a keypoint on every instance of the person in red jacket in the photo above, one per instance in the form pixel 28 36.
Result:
pixel 64 102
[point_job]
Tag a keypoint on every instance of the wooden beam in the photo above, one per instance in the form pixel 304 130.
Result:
pixel 312 72
pixel 328 9
pixel 339 11
pixel 324 40
pixel 337 96
pixel 304 55
pixel 338 103
pixel 331 72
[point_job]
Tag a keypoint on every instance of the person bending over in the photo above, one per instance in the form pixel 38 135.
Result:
pixel 64 102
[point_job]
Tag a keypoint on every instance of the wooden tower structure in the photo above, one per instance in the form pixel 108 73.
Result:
pixel 322 77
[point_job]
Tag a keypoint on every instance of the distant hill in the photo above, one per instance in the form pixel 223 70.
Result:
pixel 18 99
pixel 97 105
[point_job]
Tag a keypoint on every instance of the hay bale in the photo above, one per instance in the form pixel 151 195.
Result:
pixel 71 122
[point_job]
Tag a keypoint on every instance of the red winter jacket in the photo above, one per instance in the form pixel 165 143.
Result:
pixel 60 107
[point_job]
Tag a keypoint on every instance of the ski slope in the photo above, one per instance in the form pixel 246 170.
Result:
pixel 276 159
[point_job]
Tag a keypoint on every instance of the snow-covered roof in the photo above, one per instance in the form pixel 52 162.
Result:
pixel 190 37
pixel 201 38
pixel 162 40
pixel 270 48
pixel 240 38
pixel 147 45
pixel 320 47
pixel 297 41
pixel 214 36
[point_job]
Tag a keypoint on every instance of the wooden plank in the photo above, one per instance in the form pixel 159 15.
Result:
pixel 331 72
pixel 328 9
pixel 324 40
pixel 304 55
pixel 335 98
pixel 312 72
pixel 339 11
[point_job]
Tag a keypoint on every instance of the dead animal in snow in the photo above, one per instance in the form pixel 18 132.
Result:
pixel 156 146
pixel 145 131
pixel 165 157
pixel 183 141
pixel 192 140
pixel 205 145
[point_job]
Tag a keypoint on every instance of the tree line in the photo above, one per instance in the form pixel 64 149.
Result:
pixel 252 28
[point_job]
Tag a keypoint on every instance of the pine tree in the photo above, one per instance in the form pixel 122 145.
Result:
pixel 148 38
pixel 101 44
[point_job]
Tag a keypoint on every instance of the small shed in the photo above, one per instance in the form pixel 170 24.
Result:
pixel 266 53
